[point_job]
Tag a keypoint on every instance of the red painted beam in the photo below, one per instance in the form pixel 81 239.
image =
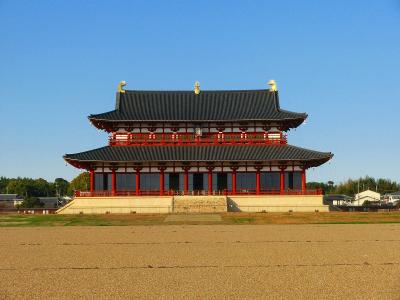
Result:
pixel 234 181
pixel 137 182
pixel 186 181
pixel 258 182
pixel 91 180
pixel 161 181
pixel 282 181
pixel 303 181
pixel 113 182
pixel 210 181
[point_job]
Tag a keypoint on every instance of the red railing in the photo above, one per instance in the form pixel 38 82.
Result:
pixel 190 138
pixel 198 193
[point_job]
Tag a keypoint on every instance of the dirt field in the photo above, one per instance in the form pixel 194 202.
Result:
pixel 355 261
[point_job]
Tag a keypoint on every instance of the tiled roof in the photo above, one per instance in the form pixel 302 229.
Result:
pixel 9 197
pixel 201 153
pixel 186 106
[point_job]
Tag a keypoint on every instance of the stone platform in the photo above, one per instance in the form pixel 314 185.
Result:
pixel 194 204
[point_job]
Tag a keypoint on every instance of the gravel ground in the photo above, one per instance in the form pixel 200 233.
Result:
pixel 201 261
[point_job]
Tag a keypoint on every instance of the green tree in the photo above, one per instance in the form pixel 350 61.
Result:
pixel 61 186
pixel 42 188
pixel 80 183
pixel 28 187
pixel 31 202
pixel 327 188
pixel 3 184
pixel 352 186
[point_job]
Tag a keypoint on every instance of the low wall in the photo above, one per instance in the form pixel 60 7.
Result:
pixel 118 205
pixel 277 203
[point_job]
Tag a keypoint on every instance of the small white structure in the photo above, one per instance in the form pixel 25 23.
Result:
pixel 367 195
pixel 338 200
pixel 392 197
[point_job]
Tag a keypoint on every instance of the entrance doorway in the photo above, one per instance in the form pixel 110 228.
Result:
pixel 174 181
pixel 222 181
pixel 198 182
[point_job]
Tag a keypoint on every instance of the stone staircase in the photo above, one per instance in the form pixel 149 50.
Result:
pixel 199 204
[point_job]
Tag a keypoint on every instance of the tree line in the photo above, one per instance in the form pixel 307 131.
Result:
pixel 28 187
pixel 351 187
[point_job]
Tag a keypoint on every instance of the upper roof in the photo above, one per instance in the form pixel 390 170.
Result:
pixel 331 197
pixel 237 153
pixel 208 106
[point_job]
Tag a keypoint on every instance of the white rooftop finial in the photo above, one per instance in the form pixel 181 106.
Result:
pixel 272 83
pixel 121 85
pixel 197 87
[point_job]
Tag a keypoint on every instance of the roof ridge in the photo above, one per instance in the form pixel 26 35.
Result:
pixel 191 91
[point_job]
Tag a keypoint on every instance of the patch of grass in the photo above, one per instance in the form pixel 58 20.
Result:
pixel 244 220
pixel 227 218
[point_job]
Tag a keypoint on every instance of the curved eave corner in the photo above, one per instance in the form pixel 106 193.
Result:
pixel 318 162
pixel 101 124
pixel 80 164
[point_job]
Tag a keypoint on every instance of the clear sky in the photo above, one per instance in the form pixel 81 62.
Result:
pixel 339 61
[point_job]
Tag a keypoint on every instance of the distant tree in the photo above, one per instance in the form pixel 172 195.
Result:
pixel 61 185
pixel 351 186
pixel 32 202
pixel 326 187
pixel 3 184
pixel 80 182
pixel 43 188
pixel 28 187
pixel 18 186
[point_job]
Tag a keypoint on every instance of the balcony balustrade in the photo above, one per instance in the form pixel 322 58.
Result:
pixel 190 138
pixel 198 193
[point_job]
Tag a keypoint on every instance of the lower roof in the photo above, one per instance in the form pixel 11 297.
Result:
pixel 231 153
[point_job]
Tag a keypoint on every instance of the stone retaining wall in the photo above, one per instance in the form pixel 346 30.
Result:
pixel 277 203
pixel 200 204
pixel 194 204
pixel 119 205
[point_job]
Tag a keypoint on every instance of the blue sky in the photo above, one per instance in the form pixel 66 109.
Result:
pixel 339 61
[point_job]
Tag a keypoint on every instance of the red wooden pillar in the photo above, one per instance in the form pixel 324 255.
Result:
pixel 282 180
pixel 234 169
pixel 113 182
pixel 162 169
pixel 210 181
pixel 258 181
pixel 91 171
pixel 303 181
pixel 138 181
pixel 186 180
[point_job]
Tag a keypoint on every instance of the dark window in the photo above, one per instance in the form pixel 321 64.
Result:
pixel 198 182
pixel 270 180
pixel 174 181
pixel 149 181
pixel 98 181
pixel 246 181
pixel 126 182
pixel 222 181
